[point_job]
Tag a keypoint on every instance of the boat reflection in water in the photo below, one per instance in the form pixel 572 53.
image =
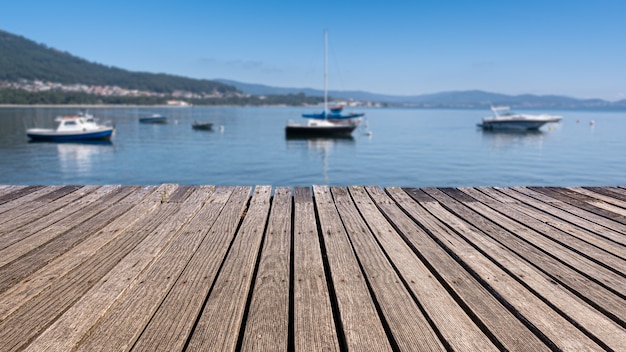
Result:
pixel 513 138
pixel 83 157
pixel 320 148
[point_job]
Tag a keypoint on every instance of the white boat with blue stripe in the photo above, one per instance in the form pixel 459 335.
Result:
pixel 78 127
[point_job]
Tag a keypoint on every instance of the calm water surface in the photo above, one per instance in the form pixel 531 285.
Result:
pixel 407 147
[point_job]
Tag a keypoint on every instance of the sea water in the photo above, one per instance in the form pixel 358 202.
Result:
pixel 248 146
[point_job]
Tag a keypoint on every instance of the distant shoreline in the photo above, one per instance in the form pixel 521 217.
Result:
pixel 85 106
pixel 123 106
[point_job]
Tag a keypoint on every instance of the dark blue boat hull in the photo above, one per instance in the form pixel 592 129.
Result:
pixel 100 135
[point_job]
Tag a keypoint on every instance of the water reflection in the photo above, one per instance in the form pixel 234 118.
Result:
pixel 512 138
pixel 320 147
pixel 82 157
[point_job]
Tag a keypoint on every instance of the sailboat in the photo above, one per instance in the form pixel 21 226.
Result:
pixel 327 123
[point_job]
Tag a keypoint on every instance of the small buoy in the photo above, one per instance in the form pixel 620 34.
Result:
pixel 369 133
pixel 592 122
pixel 221 128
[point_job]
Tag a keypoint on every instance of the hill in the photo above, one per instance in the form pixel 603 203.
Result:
pixel 452 99
pixel 21 58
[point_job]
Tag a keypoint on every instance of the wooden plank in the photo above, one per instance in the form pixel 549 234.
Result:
pixel 17 192
pixel 609 192
pixel 547 318
pixel 560 239
pixel 602 288
pixel 40 311
pixel 16 195
pixel 41 280
pixel 124 322
pixel 605 202
pixel 267 325
pixel 4 189
pixel 173 323
pixel 69 232
pixel 127 258
pixel 219 325
pixel 579 201
pixel 314 327
pixel 484 308
pixel 40 207
pixel 41 230
pixel 57 194
pixel 25 199
pixel 361 326
pixel 410 329
pixel 542 212
pixel 605 228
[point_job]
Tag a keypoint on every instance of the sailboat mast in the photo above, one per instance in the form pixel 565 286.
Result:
pixel 325 72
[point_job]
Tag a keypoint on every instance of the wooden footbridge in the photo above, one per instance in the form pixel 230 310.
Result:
pixel 204 268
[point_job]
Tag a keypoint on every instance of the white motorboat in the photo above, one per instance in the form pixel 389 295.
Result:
pixel 72 128
pixel 504 119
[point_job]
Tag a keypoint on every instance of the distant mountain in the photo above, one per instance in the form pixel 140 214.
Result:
pixel 21 58
pixel 454 99
pixel 260 89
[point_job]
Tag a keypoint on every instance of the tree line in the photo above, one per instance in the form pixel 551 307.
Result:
pixel 21 58
pixel 53 97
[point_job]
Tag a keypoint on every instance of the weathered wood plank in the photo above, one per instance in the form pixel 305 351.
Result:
pixel 409 327
pixel 549 321
pixel 580 201
pixel 38 208
pixel 360 323
pixel 44 229
pixel 65 333
pixel 267 325
pixel 24 323
pixel 219 325
pixel 25 199
pixel 39 312
pixel 576 231
pixel 602 201
pixel 67 233
pixel 124 322
pixel 557 241
pixel 613 192
pixel 4 189
pixel 16 192
pixel 41 280
pixel 604 227
pixel 476 300
pixel 314 327
pixel 173 322
pixel 196 268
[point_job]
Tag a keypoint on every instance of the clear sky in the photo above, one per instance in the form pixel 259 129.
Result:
pixel 575 48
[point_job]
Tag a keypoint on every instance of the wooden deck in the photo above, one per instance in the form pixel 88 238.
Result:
pixel 168 268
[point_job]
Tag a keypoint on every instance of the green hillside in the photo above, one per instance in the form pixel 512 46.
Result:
pixel 21 58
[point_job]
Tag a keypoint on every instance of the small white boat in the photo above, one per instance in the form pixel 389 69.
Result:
pixel 504 119
pixel 72 128
pixel 154 118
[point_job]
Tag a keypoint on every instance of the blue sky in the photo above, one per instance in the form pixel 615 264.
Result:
pixel 572 48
